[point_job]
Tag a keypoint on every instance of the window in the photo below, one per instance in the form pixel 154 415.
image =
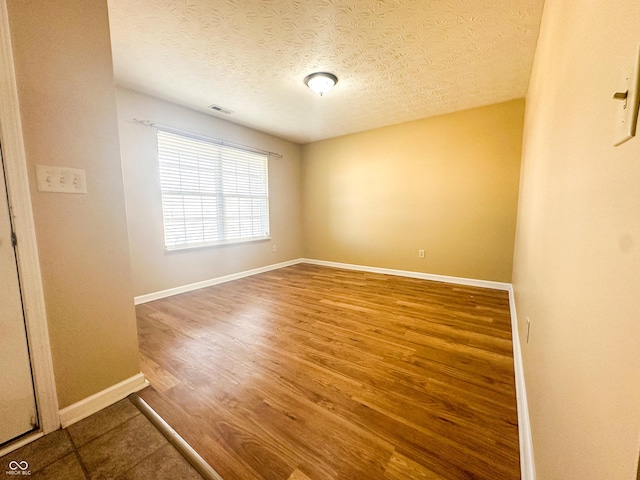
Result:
pixel 211 193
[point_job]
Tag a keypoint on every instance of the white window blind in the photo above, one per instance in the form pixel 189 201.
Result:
pixel 211 193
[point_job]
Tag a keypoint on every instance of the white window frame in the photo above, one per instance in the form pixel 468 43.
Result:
pixel 212 193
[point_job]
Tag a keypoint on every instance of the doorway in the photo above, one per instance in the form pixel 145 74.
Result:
pixel 18 413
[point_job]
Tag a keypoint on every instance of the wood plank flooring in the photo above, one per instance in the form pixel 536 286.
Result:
pixel 315 373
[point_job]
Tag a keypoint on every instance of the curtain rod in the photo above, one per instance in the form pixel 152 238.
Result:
pixel 167 128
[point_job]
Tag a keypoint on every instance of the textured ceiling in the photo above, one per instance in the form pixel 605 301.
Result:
pixel 396 60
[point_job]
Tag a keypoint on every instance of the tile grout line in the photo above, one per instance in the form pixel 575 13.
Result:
pixel 78 456
pixel 143 459
pixel 196 461
pixel 103 433
pixel 41 467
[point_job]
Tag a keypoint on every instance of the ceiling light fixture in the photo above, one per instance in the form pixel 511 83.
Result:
pixel 321 82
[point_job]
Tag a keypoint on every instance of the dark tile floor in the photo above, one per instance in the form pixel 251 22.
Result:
pixel 115 443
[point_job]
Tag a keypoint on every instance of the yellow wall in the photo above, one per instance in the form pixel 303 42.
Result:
pixel 577 260
pixel 446 184
pixel 154 269
pixel 62 56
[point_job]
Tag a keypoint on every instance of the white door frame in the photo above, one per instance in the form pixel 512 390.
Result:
pixel 27 250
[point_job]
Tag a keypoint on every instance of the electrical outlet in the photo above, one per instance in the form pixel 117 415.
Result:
pixel 528 328
pixel 274 248
pixel 420 253
pixel 60 179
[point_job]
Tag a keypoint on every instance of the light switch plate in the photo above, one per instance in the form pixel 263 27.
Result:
pixel 627 115
pixel 55 179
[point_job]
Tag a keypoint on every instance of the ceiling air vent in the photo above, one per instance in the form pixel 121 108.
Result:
pixel 219 109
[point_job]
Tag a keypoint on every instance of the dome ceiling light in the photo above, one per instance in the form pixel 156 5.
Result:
pixel 321 82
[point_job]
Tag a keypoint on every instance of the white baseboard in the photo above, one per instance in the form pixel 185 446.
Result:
pixel 527 465
pixel 407 273
pixel 149 297
pixel 90 405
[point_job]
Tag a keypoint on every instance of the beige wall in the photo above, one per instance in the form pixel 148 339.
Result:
pixel 65 82
pixel 446 184
pixel 577 261
pixel 154 269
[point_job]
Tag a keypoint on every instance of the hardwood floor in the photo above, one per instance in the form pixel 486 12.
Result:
pixel 317 373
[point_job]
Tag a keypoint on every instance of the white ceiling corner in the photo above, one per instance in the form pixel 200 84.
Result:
pixel 396 60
